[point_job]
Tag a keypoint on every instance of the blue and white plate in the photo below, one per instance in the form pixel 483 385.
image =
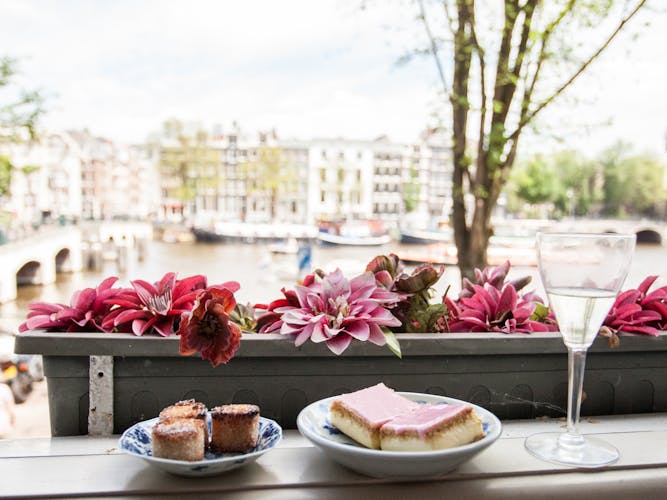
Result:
pixel 313 422
pixel 137 441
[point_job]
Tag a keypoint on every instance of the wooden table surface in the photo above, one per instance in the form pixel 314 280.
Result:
pixel 84 466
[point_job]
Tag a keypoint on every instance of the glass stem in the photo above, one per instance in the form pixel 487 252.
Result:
pixel 576 359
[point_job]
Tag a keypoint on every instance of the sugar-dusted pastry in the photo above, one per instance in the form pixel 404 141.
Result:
pixel 179 439
pixel 188 408
pixel 234 428
pixel 432 427
pixel 360 414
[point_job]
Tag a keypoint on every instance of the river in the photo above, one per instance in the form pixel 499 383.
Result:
pixel 262 274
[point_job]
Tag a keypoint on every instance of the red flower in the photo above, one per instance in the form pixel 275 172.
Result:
pixel 208 329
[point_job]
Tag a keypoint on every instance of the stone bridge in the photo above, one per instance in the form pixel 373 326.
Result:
pixel 647 231
pixel 37 260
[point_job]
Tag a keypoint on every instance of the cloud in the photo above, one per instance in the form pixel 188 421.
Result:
pixel 306 68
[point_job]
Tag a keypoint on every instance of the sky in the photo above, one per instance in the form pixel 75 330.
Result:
pixel 306 68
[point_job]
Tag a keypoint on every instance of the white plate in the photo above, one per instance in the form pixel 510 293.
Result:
pixel 137 441
pixel 314 424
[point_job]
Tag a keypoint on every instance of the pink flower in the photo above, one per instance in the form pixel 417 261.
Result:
pixel 157 306
pixel 493 310
pixel 637 311
pixel 208 328
pixel 337 310
pixel 270 321
pixel 87 309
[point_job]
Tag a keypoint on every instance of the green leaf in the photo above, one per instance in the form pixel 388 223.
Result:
pixel 540 313
pixel 392 343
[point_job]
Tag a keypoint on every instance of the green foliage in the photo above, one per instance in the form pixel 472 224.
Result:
pixel 5 174
pixel 21 111
pixel 271 173
pixel 411 191
pixel 616 183
pixel 633 184
pixel 578 187
pixel 534 181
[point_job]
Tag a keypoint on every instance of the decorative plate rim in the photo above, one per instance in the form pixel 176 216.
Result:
pixel 230 457
pixel 356 448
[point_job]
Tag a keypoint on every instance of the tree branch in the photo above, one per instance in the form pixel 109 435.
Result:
pixel 433 46
pixel 479 50
pixel 531 115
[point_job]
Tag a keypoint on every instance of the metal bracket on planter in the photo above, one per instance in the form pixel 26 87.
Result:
pixel 100 414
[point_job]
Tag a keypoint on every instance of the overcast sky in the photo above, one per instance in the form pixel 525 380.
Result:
pixel 307 68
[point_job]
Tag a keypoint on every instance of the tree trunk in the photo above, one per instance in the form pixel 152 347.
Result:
pixel 460 107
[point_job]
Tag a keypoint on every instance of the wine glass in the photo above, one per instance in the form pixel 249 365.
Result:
pixel 582 274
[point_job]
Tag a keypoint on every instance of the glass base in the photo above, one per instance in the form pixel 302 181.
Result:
pixel 566 449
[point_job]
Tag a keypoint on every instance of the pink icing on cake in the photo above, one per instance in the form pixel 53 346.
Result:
pixel 377 404
pixel 424 418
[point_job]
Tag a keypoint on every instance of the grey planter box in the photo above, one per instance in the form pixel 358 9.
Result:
pixel 514 376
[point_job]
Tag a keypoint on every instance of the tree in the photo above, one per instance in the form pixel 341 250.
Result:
pixel 578 183
pixel 633 184
pixel 534 181
pixel 499 84
pixel 270 174
pixel 19 113
pixel 20 109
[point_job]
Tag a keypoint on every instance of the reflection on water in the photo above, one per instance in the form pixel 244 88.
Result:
pixel 263 274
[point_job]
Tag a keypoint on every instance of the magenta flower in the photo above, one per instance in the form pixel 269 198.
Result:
pixel 337 310
pixel 637 311
pixel 494 276
pixel 87 309
pixel 158 306
pixel 493 310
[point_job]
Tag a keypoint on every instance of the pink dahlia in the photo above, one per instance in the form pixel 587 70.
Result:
pixel 638 311
pixel 87 309
pixel 493 310
pixel 158 306
pixel 336 310
pixel 271 321
pixel 495 277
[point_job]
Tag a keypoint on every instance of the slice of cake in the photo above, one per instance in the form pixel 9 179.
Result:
pixel 234 428
pixel 432 427
pixel 360 414
pixel 179 439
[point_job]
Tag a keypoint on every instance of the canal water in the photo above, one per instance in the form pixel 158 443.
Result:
pixel 262 273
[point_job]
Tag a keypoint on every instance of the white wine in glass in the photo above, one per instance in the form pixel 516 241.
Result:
pixel 582 275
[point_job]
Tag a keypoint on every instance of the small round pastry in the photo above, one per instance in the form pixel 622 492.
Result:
pixel 179 439
pixel 188 408
pixel 234 428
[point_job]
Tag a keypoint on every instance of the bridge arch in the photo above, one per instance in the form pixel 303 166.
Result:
pixel 30 273
pixel 63 260
pixel 649 236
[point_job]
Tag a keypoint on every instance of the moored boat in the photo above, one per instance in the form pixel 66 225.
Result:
pixel 425 236
pixel 353 233
pixel 253 232
pixel 350 240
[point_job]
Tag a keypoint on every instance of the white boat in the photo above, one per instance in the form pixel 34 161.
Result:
pixel 354 233
pixel 351 240
pixel 425 236
pixel 253 232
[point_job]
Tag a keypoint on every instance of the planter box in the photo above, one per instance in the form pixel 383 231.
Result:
pixel 514 376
